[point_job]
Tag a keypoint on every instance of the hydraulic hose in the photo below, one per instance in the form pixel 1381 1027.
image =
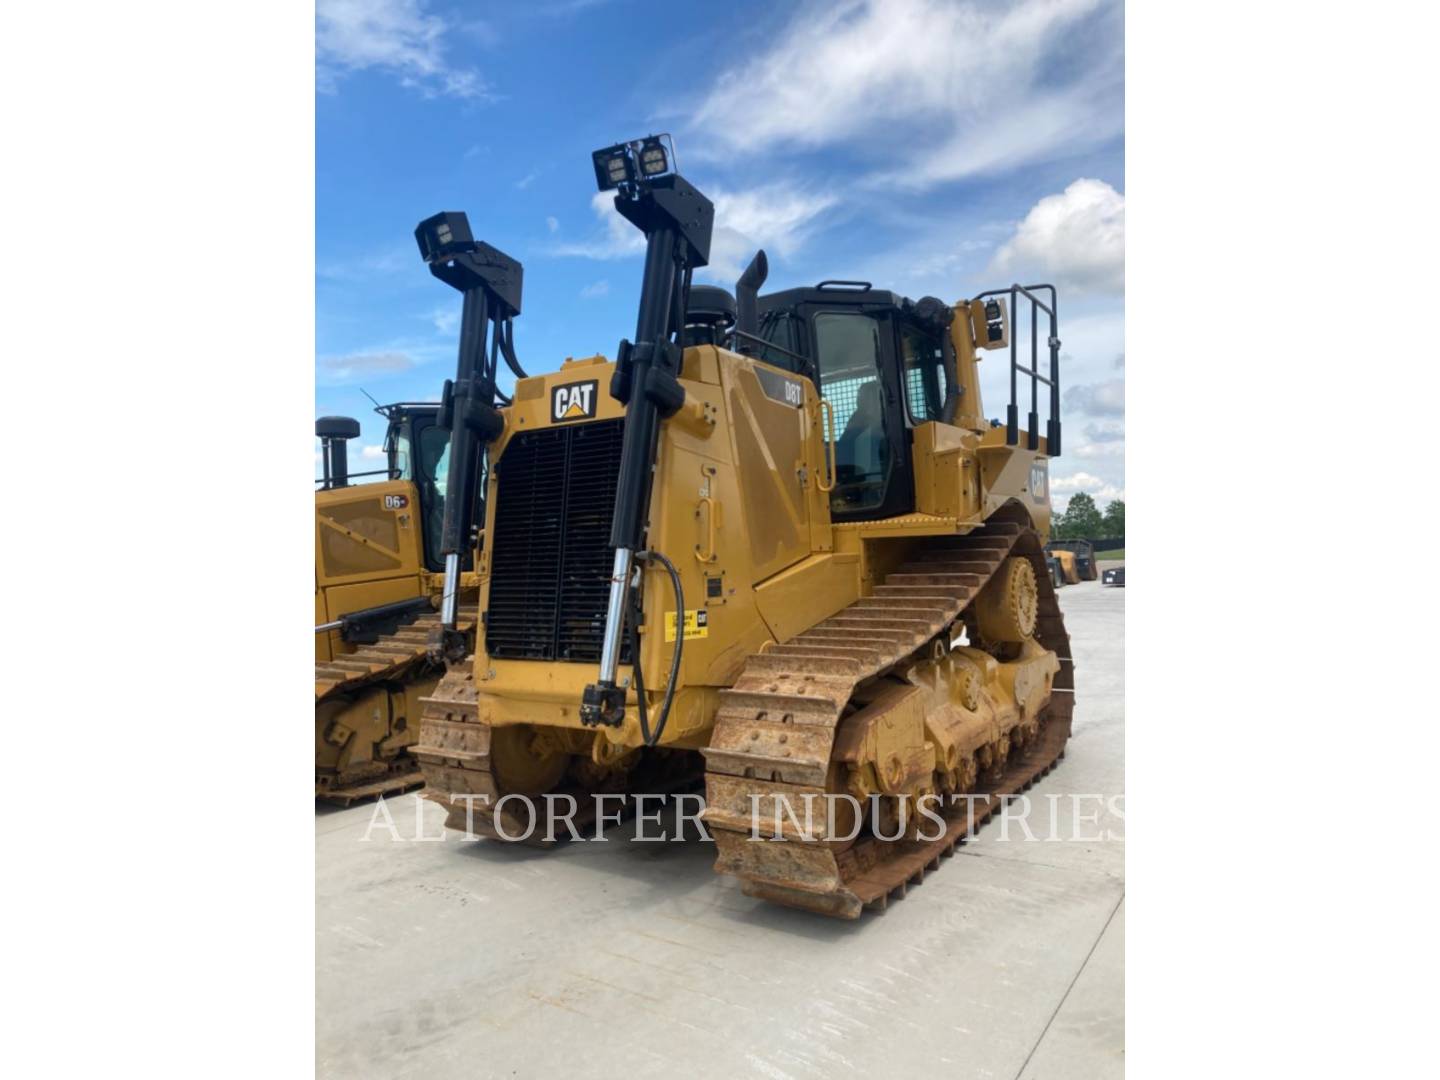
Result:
pixel 669 699
pixel 632 620
pixel 507 349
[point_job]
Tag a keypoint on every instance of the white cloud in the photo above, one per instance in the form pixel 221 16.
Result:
pixel 1093 450
pixel 394 260
pixel 395 36
pixel 598 288
pixel 354 365
pixel 1103 441
pixel 618 238
pixel 1076 239
pixel 778 217
pixel 372 453
pixel 951 89
pixel 1097 399
pixel 446 319
pixel 526 180
pixel 1098 488
pixel 553 224
pixel 1080 481
pixel 1105 431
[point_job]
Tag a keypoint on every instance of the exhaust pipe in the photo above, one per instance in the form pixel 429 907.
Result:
pixel 333 432
pixel 747 312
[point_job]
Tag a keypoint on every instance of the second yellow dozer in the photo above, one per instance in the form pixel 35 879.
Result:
pixel 806 564
pixel 1080 561
pixel 1068 566
pixel 378 585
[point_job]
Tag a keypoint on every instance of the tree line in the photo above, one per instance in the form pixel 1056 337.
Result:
pixel 1083 520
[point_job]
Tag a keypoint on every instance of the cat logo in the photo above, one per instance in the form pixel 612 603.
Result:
pixel 1039 481
pixel 574 401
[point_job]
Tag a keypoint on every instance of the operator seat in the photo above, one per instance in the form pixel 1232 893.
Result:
pixel 860 450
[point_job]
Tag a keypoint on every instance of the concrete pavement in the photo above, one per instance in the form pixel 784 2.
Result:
pixel 444 958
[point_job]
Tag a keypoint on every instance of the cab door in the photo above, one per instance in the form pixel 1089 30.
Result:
pixel 857 373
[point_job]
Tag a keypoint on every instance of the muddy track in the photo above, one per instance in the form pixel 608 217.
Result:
pixel 455 754
pixel 395 658
pixel 775 732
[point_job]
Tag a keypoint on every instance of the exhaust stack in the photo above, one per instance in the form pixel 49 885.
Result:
pixel 747 291
pixel 333 432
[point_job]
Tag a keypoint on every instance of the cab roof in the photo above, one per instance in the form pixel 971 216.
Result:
pixel 859 293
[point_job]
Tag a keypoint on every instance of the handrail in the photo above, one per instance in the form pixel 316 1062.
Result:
pixel 394 474
pixel 770 345
pixel 708 555
pixel 829 440
pixel 1012 413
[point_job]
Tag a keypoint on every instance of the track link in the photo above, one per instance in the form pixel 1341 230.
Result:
pixel 775 732
pixel 401 657
pixel 387 660
pixel 456 755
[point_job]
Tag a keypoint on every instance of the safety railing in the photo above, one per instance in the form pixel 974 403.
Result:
pixel 327 483
pixel 1051 381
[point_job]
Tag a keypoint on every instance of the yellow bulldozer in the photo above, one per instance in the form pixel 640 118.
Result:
pixel 1066 563
pixel 1077 557
pixel 775 542
pixel 378 580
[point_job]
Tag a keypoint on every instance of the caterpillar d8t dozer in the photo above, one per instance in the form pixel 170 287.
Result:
pixel 808 558
pixel 377 586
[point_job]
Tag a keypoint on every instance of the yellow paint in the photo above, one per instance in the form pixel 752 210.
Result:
pixel 739 507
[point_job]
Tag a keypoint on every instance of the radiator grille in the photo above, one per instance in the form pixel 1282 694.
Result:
pixel 551 555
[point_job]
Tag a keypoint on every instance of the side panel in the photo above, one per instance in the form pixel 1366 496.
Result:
pixel 367 550
pixel 366 532
pixel 1014 473
pixel 796 599
pixel 768 427
pixel 947 472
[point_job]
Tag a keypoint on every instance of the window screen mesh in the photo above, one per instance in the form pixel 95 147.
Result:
pixel 843 395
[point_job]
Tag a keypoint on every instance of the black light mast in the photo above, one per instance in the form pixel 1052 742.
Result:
pixel 491 283
pixel 677 221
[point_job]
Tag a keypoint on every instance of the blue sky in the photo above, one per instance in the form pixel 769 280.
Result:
pixel 931 147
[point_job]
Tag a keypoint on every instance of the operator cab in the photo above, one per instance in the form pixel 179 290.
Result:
pixel 418 449
pixel 878 359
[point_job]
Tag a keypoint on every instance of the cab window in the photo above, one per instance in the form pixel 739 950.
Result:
pixel 781 328
pixel 925 379
pixel 435 455
pixel 848 358
pixel 400 455
pixel 430 478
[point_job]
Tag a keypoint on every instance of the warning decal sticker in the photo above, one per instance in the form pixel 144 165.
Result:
pixel 697 624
